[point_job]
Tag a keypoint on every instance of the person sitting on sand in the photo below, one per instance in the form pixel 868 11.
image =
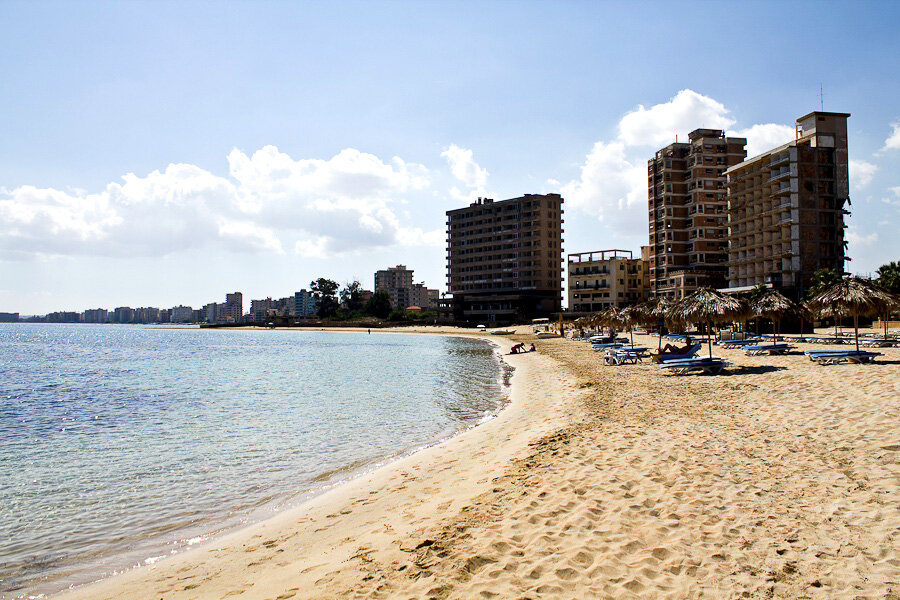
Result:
pixel 671 349
pixel 532 348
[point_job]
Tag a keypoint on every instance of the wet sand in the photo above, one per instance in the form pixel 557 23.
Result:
pixel 777 479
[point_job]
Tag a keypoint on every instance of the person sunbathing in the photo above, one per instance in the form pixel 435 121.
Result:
pixel 608 339
pixel 671 349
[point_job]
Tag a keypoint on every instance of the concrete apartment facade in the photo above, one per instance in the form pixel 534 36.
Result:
pixel 687 212
pixel 234 308
pixel 304 303
pixel 504 258
pixel 605 278
pixel 398 283
pixel 786 207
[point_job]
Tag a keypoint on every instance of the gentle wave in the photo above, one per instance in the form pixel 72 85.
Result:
pixel 120 444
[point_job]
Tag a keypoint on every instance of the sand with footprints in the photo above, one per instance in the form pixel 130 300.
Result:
pixel 779 479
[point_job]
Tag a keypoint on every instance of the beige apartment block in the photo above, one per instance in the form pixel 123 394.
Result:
pixel 605 278
pixel 398 283
pixel 504 259
pixel 687 212
pixel 786 207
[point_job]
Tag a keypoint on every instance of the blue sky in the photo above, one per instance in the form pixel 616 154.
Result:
pixel 157 153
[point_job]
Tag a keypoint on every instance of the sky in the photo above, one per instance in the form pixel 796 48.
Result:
pixel 165 153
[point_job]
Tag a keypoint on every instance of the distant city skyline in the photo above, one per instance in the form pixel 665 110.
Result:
pixel 158 154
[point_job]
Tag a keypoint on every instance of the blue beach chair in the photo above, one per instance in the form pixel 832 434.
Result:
pixel 710 366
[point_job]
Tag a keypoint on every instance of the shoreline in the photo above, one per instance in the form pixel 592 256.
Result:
pixel 777 479
pixel 328 492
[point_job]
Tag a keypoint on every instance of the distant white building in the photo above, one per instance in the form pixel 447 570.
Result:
pixel 304 304
pixel 181 314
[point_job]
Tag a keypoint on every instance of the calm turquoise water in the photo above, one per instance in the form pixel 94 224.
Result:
pixel 120 444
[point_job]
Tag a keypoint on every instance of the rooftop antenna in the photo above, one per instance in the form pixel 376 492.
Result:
pixel 821 98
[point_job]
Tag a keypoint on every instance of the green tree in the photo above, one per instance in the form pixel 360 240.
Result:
pixel 351 295
pixel 821 280
pixel 325 292
pixel 889 276
pixel 759 291
pixel 379 305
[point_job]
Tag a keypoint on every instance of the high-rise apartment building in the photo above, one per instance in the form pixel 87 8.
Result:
pixel 234 308
pixel 260 310
pixel 786 207
pixel 605 278
pixel 181 314
pixel 398 283
pixel 687 210
pixel 304 303
pixel 95 315
pixel 504 259
pixel 123 314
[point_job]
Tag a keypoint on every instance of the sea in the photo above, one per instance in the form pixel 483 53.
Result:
pixel 120 445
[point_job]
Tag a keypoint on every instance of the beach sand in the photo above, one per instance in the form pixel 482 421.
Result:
pixel 779 479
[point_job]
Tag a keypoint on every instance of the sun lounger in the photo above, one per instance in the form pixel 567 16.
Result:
pixel 878 343
pixel 758 349
pixel 620 356
pixel 825 340
pixel 599 347
pixel 833 358
pixel 664 358
pixel 711 366
pixel 737 343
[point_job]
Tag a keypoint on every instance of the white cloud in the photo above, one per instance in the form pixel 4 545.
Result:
pixel 763 137
pixel 861 173
pixel 856 239
pixel 658 125
pixel 893 201
pixel 893 140
pixel 464 168
pixel 611 187
pixel 334 205
pixel 243 235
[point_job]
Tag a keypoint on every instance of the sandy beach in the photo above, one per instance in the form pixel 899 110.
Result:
pixel 779 479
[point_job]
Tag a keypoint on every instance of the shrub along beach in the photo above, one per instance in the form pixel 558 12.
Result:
pixel 777 478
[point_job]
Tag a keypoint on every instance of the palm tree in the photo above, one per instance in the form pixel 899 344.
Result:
pixel 889 277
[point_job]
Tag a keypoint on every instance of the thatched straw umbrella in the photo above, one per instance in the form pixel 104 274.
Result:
pixel 609 317
pixel 855 297
pixel 629 317
pixel 775 306
pixel 705 306
pixel 657 310
pixel 894 305
pixel 806 314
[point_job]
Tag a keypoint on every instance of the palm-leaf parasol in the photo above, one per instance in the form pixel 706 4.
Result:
pixel 855 297
pixel 705 305
pixel 659 308
pixel 775 306
pixel 629 317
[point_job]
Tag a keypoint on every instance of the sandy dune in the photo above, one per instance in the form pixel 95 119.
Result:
pixel 780 479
